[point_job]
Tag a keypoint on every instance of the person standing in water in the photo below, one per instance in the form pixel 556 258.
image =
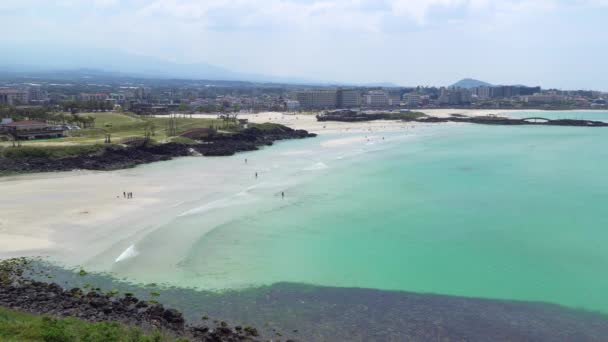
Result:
pixel 245 160
pixel 283 194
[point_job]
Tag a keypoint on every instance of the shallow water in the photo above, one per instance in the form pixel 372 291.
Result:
pixel 500 212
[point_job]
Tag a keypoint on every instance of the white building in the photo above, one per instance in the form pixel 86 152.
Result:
pixel 317 99
pixel 348 98
pixel 376 98
pixel 483 92
pixel 13 97
pixel 411 100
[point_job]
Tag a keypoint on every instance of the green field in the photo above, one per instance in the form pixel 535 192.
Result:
pixel 121 126
pixel 16 326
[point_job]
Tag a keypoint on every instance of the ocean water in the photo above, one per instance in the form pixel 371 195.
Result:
pixel 515 213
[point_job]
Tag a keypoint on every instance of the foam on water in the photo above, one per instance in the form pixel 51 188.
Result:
pixel 461 210
pixel 316 167
pixel 129 253
pixel 238 198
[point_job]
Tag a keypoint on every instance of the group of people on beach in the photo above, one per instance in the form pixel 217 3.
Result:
pixel 127 195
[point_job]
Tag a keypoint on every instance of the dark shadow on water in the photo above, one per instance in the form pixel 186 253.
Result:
pixel 315 313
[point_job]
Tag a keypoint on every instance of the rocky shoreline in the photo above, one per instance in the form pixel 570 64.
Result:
pixel 116 157
pixel 17 292
pixel 352 116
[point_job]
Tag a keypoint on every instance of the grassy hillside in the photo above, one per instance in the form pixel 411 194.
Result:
pixel 52 152
pixel 18 327
pixel 121 126
pixel 125 125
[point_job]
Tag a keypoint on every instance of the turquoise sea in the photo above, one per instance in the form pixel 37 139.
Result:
pixel 516 213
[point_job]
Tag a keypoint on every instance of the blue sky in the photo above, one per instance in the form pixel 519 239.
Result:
pixel 554 43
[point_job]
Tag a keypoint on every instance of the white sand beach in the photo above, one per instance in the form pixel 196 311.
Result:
pixel 34 206
pixel 446 112
pixel 81 213
pixel 78 215
pixel 309 122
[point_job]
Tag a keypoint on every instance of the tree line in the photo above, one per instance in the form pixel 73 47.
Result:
pixel 92 105
pixel 49 114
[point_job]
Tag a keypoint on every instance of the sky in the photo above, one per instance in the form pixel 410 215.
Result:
pixel 552 43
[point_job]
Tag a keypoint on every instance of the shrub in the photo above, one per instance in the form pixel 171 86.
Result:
pixel 55 331
pixel 103 332
pixel 53 152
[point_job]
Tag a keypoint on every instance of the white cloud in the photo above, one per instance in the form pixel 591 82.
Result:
pixel 106 3
pixel 418 10
pixel 327 39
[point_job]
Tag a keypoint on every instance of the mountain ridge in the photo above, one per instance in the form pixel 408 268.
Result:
pixel 469 83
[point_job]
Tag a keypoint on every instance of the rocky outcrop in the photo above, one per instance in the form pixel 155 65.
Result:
pixel 120 157
pixel 351 116
pixel 19 293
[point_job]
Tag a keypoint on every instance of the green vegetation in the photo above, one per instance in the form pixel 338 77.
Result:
pixel 119 127
pixel 405 116
pixel 267 126
pixel 127 125
pixel 53 152
pixel 182 140
pixel 16 326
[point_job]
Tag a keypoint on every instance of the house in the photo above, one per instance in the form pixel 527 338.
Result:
pixel 28 130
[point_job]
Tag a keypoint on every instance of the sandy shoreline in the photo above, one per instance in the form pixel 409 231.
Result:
pixel 34 206
pixel 308 121
pixel 63 212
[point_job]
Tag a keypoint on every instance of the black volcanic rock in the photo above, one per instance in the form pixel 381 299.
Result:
pixel 19 293
pixel 120 157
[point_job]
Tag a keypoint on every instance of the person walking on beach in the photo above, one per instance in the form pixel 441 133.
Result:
pixel 256 175
pixel 124 194
pixel 245 160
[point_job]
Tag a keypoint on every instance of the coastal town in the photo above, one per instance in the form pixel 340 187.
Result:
pixel 78 92
pixel 47 107
pixel 303 170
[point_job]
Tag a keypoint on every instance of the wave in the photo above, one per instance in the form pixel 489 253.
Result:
pixel 316 167
pixel 129 253
pixel 221 203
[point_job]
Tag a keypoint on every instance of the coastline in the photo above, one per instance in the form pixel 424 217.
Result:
pixel 309 122
pixel 296 312
pixel 180 189
pixel 93 199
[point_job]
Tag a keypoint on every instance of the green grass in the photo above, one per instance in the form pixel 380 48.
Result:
pixel 16 326
pixel 182 140
pixel 119 126
pixel 53 152
pixel 267 126
pixel 128 125
pixel 125 125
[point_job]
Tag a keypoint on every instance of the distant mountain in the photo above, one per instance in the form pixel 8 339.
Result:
pixel 469 83
pixel 24 58
pixel 380 84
